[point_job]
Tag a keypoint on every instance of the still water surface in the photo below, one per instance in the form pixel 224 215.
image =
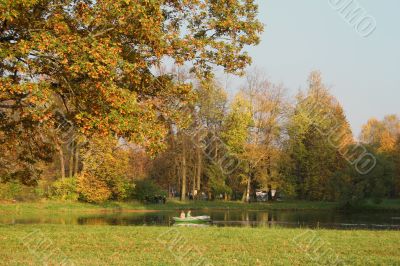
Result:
pixel 277 218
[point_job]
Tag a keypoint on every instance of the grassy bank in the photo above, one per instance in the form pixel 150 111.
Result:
pixel 114 245
pixel 80 207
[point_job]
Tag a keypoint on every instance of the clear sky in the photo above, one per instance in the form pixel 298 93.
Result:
pixel 304 35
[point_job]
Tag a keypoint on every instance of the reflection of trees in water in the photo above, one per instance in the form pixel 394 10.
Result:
pixel 157 219
pixel 72 220
pixel 263 219
pixel 91 221
pixel 223 218
pixel 245 216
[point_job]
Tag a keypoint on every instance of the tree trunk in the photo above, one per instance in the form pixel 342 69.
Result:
pixel 199 166
pixel 62 163
pixel 178 170
pixel 216 151
pixel 76 170
pixel 71 159
pixel 194 194
pixel 183 172
pixel 248 189
pixel 247 193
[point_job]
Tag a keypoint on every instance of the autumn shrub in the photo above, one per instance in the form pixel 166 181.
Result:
pixel 92 189
pixel 9 190
pixel 64 189
pixel 147 189
pixel 105 173
pixel 14 190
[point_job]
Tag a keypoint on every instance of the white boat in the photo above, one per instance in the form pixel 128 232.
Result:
pixel 193 219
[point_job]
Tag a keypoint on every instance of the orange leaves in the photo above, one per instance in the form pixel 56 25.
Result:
pixel 388 142
pixel 61 28
pixel 64 61
pixel 99 58
pixel 23 47
pixel 382 134
pixel 92 189
pixel 8 87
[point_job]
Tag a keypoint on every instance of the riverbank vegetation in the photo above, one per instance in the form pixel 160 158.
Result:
pixel 106 245
pixel 77 207
pixel 64 207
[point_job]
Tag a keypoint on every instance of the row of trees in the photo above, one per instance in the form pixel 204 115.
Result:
pixel 262 140
pixel 229 148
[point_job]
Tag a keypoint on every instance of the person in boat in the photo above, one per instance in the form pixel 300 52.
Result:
pixel 182 216
pixel 189 214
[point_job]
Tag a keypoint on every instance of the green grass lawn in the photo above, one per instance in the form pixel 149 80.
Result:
pixel 119 245
pixel 71 244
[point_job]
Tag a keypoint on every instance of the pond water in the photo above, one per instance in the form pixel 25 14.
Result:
pixel 276 218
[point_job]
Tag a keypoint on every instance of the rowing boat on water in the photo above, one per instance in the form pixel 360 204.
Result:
pixel 192 219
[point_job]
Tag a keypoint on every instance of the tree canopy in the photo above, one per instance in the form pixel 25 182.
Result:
pixel 92 63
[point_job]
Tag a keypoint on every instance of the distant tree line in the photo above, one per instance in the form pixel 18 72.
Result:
pixel 261 140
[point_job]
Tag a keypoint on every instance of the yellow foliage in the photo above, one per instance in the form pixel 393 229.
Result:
pixel 93 189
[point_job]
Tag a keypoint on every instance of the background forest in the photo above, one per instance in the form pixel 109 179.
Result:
pixel 260 139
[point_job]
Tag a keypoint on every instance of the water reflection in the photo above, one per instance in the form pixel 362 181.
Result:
pixel 310 219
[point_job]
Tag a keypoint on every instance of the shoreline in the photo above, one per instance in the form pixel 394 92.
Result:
pixel 50 206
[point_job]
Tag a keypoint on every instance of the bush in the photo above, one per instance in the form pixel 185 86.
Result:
pixel 9 190
pixel 92 189
pixel 106 172
pixel 147 190
pixel 64 189
pixel 16 191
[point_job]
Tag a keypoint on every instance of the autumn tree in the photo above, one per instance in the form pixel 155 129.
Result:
pixel 235 135
pixel 106 170
pixel 267 108
pixel 356 188
pixel 397 168
pixel 318 136
pixel 211 106
pixel 383 137
pixel 96 59
pixel 381 134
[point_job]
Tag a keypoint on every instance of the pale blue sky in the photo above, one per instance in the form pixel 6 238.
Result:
pixel 363 73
